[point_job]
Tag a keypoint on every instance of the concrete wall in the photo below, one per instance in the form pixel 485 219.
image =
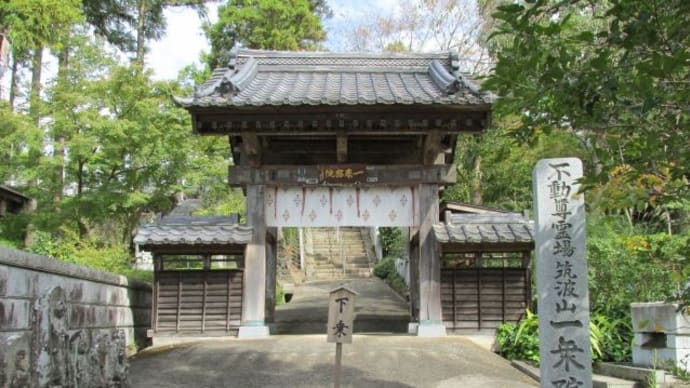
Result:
pixel 66 325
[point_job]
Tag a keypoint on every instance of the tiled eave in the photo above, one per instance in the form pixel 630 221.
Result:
pixel 321 92
pixel 496 232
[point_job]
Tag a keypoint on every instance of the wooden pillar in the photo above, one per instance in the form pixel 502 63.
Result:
pixel 414 279
pixel 430 318
pixel 254 293
pixel 157 266
pixel 271 269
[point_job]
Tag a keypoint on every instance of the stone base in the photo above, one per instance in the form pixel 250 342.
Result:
pixel 427 329
pixel 412 327
pixel 249 332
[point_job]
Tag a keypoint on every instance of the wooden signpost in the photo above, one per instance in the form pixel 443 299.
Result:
pixel 562 274
pixel 341 309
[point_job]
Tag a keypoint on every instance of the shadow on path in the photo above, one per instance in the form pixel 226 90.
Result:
pixel 307 361
pixel 378 309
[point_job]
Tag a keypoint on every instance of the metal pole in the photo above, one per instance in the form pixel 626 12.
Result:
pixel 338 365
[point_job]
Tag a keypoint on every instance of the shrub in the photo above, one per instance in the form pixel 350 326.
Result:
pixel 384 268
pixel 610 339
pixel 392 241
pixel 520 341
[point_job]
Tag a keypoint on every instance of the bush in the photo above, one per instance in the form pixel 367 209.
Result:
pixel 392 241
pixel 385 269
pixel 113 258
pixel 520 341
pixel 626 267
pixel 610 339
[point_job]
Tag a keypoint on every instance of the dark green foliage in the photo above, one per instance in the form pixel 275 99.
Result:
pixel 265 24
pixel 615 337
pixel 614 73
pixel 520 341
pixel 496 170
pixel 392 241
pixel 627 267
pixel 385 269
pixel 68 247
pixel 610 340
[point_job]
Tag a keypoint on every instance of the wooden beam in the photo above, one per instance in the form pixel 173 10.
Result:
pixel 310 175
pixel 251 148
pixel 271 272
pixel 408 120
pixel 433 149
pixel 195 249
pixel 341 147
pixel 487 247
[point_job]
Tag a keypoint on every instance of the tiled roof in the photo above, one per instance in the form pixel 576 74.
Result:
pixel 271 78
pixel 485 229
pixel 181 230
pixel 7 192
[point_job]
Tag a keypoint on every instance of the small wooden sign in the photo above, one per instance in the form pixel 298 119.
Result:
pixel 341 311
pixel 343 174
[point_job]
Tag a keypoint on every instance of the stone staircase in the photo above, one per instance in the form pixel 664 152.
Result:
pixel 334 253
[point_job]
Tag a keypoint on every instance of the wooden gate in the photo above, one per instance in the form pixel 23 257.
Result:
pixel 199 301
pixel 483 298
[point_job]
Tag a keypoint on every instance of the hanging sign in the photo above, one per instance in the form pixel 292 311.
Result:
pixel 335 174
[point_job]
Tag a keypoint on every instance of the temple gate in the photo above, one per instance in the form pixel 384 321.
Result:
pixel 322 139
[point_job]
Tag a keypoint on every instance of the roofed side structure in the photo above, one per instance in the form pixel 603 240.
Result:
pixel 12 201
pixel 182 234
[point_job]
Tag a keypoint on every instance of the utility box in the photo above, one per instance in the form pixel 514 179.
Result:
pixel 662 335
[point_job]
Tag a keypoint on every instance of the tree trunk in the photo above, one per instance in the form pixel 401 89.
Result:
pixel 35 97
pixel 59 138
pixel 141 29
pixel 477 181
pixel 14 75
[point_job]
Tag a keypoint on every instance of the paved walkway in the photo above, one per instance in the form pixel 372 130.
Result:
pixel 377 308
pixel 381 360
pixel 307 361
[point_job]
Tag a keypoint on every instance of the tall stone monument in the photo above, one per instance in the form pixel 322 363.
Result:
pixel 563 300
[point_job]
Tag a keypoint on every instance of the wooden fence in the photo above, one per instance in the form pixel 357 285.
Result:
pixel 483 298
pixel 198 300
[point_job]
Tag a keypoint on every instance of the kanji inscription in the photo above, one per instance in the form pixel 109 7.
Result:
pixel 562 274
pixel 341 308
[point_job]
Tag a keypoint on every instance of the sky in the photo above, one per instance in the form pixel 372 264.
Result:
pixel 184 40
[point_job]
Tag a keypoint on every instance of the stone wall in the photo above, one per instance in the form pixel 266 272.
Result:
pixel 63 325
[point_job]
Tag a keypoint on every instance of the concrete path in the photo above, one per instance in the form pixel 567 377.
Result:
pixel 307 361
pixel 377 308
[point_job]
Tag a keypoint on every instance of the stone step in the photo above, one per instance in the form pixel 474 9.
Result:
pixel 377 325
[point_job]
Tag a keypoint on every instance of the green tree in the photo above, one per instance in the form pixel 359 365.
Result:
pixel 265 24
pixel 616 74
pixel 496 170
pixel 32 26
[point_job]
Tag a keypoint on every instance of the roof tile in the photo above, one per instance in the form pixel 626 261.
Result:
pixel 495 228
pixel 299 78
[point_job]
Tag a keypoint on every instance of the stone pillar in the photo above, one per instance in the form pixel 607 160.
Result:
pixel 254 294
pixel 271 272
pixel 430 319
